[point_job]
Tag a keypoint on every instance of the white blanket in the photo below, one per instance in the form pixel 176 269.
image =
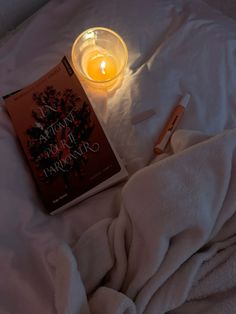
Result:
pixel 113 251
pixel 173 241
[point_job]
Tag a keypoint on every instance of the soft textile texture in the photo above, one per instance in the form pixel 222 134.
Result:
pixel 227 7
pixel 14 12
pixel 174 239
pixel 174 47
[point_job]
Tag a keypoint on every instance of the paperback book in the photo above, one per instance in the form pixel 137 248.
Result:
pixel 68 151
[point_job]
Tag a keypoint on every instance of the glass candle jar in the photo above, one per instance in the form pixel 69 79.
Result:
pixel 99 56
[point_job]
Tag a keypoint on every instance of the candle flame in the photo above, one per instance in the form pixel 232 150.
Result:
pixel 103 66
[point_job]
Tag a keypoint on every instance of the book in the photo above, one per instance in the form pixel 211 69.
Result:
pixel 67 148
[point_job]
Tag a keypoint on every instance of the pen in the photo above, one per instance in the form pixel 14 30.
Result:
pixel 171 125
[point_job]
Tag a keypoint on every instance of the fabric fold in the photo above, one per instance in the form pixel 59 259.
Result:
pixel 170 239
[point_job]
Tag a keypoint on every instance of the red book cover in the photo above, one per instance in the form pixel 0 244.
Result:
pixel 67 149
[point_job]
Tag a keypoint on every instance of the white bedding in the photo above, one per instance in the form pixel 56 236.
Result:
pixel 227 7
pixel 174 47
pixel 172 246
pixel 14 12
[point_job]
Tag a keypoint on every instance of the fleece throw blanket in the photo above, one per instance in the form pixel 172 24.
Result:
pixel 172 247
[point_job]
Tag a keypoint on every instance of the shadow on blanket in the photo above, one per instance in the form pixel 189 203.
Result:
pixel 172 246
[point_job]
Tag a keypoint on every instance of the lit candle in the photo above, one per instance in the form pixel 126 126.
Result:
pixel 99 56
pixel 101 67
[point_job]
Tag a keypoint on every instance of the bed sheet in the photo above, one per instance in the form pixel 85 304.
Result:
pixel 227 7
pixel 15 12
pixel 174 47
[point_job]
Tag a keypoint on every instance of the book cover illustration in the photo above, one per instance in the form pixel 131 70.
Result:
pixel 65 145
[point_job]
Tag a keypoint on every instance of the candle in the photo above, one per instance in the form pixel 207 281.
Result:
pixel 101 67
pixel 99 56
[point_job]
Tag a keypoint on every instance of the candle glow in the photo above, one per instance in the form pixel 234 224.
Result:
pixel 101 67
pixel 100 56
